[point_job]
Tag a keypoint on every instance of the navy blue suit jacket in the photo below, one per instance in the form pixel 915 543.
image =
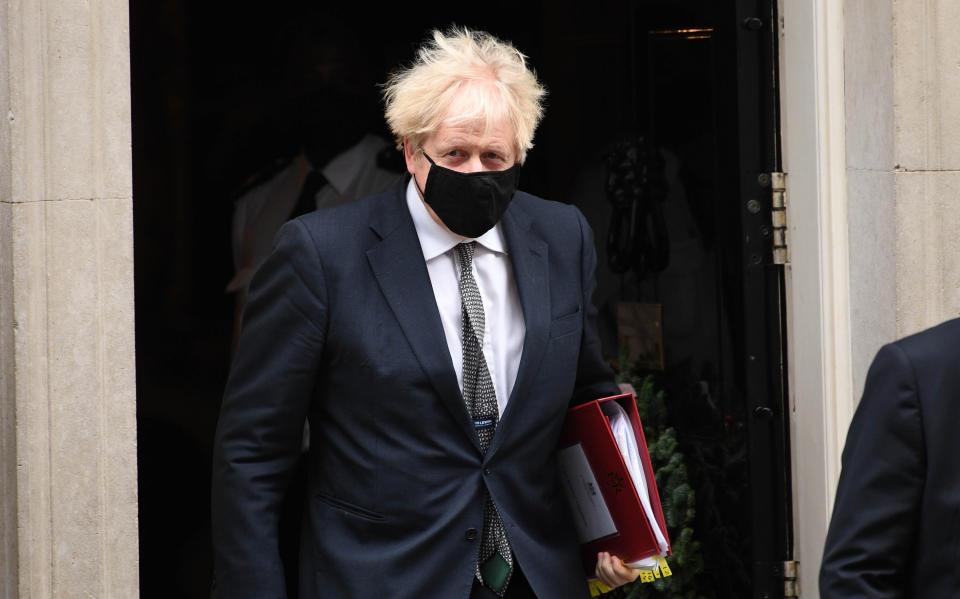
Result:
pixel 895 531
pixel 342 328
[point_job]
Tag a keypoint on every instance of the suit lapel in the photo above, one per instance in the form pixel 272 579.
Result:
pixel 399 268
pixel 528 255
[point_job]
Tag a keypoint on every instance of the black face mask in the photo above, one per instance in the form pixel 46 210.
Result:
pixel 469 204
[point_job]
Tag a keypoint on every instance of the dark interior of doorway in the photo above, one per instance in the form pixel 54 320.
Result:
pixel 222 93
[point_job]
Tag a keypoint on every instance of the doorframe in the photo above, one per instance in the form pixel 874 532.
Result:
pixel 817 279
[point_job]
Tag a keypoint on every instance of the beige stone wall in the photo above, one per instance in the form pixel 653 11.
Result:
pixel 903 167
pixel 871 197
pixel 67 393
pixel 927 161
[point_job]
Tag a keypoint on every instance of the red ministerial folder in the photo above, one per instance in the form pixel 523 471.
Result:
pixel 606 508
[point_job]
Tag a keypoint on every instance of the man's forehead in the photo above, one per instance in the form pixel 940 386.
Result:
pixel 474 132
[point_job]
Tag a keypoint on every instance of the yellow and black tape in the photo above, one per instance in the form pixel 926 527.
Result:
pixel 662 570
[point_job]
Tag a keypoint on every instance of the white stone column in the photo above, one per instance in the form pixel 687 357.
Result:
pixel 818 278
pixel 68 485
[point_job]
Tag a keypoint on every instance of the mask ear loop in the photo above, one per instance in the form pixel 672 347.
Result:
pixel 417 185
pixel 423 194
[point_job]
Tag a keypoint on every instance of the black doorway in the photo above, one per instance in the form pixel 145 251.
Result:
pixel 221 95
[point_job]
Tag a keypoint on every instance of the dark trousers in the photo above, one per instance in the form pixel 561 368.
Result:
pixel 518 588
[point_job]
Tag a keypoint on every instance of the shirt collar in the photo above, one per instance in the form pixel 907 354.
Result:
pixel 436 240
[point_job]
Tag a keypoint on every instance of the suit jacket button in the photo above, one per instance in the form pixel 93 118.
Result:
pixel 471 534
pixel 486 471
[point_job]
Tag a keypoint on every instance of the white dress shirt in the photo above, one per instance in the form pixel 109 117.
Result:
pixel 504 328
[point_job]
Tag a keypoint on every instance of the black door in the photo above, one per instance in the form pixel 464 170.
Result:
pixel 763 297
pixel 687 85
pixel 681 96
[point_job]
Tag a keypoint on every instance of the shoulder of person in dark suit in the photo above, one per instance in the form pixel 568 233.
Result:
pixel 898 449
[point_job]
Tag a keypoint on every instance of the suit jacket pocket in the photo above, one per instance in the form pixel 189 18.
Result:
pixel 350 508
pixel 566 324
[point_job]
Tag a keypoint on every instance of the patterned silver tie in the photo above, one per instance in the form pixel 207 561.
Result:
pixel 495 560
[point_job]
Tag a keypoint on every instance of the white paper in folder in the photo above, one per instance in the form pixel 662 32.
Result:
pixel 627 443
pixel 591 516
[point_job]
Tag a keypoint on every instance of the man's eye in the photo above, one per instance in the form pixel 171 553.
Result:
pixel 453 152
pixel 492 156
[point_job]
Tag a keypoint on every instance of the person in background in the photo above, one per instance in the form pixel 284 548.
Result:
pixel 895 531
pixel 327 96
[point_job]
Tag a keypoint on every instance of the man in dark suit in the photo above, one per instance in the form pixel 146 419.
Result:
pixel 434 337
pixel 895 531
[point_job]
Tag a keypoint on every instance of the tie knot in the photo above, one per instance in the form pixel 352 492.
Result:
pixel 465 251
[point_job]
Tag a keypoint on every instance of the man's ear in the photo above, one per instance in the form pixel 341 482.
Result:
pixel 409 155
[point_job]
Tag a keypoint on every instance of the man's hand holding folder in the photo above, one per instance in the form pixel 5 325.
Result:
pixel 613 572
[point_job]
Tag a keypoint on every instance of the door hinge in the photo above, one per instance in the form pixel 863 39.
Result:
pixel 778 214
pixel 790 585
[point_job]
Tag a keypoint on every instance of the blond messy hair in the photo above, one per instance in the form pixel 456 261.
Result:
pixel 463 75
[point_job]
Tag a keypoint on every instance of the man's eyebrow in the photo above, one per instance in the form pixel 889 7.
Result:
pixel 452 141
pixel 458 141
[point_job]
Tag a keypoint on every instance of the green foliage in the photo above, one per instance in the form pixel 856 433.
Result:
pixel 676 495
